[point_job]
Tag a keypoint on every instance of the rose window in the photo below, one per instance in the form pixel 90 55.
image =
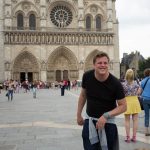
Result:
pixel 61 16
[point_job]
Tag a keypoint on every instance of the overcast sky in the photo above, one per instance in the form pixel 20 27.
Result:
pixel 134 26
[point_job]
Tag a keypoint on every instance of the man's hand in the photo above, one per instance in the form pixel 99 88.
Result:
pixel 101 122
pixel 80 120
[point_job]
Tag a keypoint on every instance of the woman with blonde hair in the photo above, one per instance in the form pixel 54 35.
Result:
pixel 131 90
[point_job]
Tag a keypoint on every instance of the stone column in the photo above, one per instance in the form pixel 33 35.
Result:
pixel 43 17
pixel 81 68
pixel 80 14
pixel 43 75
pixel 43 13
pixel 7 13
pixel 109 15
pixel 81 74
pixel 116 63
pixel 26 75
pixel 61 74
pixel 1 41
pixel 43 72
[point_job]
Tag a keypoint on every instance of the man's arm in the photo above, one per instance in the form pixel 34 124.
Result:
pixel 81 103
pixel 121 107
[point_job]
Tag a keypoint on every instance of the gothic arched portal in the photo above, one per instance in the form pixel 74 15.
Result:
pixel 62 65
pixel 25 67
pixel 89 60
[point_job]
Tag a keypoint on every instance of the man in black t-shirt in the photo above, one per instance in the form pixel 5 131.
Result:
pixel 104 98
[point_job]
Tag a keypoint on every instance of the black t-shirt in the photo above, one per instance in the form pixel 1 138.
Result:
pixel 101 96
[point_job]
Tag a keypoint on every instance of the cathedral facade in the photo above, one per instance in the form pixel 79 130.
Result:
pixel 52 40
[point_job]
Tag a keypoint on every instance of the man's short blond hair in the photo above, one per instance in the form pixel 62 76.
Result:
pixel 99 55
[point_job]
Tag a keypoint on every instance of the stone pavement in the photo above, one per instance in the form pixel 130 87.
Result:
pixel 49 123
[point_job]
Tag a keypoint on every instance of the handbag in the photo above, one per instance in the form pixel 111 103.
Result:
pixel 141 102
pixel 141 98
pixel 7 94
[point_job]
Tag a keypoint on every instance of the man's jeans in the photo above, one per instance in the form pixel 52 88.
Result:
pixel 10 94
pixel 111 134
pixel 146 105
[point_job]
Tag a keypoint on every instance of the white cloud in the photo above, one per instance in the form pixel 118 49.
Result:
pixel 134 26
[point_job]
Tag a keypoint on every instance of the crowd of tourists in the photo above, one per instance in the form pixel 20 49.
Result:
pixel 14 86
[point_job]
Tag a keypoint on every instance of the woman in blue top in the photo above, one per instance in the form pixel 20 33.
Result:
pixel 146 99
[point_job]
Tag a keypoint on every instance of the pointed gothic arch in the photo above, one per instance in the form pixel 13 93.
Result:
pixel 100 9
pixel 26 7
pixel 88 22
pixel 25 66
pixel 89 60
pixel 62 64
pixel 98 22
pixel 20 4
pixel 32 21
pixel 20 20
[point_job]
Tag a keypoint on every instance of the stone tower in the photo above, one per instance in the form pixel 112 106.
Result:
pixel 52 40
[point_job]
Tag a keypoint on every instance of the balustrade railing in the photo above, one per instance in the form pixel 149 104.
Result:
pixel 59 37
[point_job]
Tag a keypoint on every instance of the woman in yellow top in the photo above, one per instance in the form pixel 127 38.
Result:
pixel 131 90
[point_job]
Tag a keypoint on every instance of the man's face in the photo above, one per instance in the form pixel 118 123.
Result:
pixel 101 65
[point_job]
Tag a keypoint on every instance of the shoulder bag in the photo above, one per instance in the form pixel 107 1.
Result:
pixel 141 98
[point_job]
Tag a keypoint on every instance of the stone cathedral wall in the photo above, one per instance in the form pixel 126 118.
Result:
pixel 61 46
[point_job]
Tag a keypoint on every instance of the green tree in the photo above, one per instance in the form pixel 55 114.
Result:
pixel 142 66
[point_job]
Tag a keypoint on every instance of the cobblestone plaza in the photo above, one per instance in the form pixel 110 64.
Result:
pixel 49 122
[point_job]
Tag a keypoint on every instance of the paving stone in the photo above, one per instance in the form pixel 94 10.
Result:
pixel 8 147
pixel 49 123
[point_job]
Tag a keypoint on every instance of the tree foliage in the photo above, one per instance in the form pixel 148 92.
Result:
pixel 142 66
